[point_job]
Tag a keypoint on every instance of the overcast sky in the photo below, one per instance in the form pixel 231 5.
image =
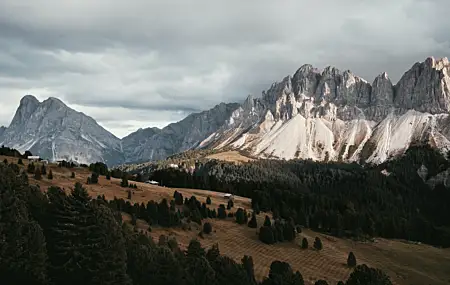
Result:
pixel 132 64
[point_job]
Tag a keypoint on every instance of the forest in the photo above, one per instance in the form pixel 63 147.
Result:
pixel 389 200
pixel 52 238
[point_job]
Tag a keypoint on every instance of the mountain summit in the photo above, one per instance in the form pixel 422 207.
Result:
pixel 314 114
pixel 55 131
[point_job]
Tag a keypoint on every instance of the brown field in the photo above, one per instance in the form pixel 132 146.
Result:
pixel 405 263
pixel 232 156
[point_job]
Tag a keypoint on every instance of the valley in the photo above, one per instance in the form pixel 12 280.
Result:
pixel 405 263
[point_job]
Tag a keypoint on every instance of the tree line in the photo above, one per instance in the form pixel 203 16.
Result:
pixel 389 200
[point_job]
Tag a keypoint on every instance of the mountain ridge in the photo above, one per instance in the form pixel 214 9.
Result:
pixel 314 114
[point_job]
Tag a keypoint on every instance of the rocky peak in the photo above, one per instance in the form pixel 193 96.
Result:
pixel 2 130
pixel 382 91
pixel 425 87
pixel 28 104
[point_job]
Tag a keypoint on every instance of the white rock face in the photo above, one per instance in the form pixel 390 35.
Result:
pixel 54 131
pixel 314 114
pixel 334 115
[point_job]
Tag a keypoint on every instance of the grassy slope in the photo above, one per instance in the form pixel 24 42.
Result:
pixel 406 263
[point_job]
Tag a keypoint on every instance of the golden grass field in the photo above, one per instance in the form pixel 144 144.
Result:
pixel 231 156
pixel 406 264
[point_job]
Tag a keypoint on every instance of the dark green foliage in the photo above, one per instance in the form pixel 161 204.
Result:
pixel 351 260
pixel 133 219
pixel 124 182
pixel 230 204
pixel 318 243
pixel 208 200
pixel 253 223
pixel 321 282
pixel 195 249
pixel 129 195
pixel 241 216
pixel 6 151
pixel 37 174
pixel 31 168
pixel 20 162
pixel 178 198
pixel 213 253
pixel 50 174
pixel 43 170
pixel 368 276
pixel 267 222
pixel 340 283
pixel 99 167
pixel 93 179
pixel 72 175
pixel 336 198
pixel 247 263
pixel 281 273
pixel 207 228
pixel 266 235
pixel 23 255
pixel 221 212
pixel 108 176
pixel 5 161
pixel 305 243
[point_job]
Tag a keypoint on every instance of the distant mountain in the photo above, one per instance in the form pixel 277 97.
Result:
pixel 315 114
pixel 2 130
pixel 55 131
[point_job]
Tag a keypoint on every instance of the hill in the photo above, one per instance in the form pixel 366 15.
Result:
pixel 406 263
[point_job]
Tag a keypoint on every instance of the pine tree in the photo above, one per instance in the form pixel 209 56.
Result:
pixel 267 222
pixel 366 275
pixel 72 175
pixel 321 282
pixel 5 161
pixel 37 174
pixel 305 243
pixel 23 253
pixel 208 200
pixel 43 170
pixel 351 260
pixel 247 263
pixel 266 235
pixel 207 228
pixel 50 174
pixel 124 182
pixel 20 162
pixel 253 223
pixel 213 253
pixel 221 213
pixel 30 168
pixel 230 204
pixel 195 249
pixel 108 176
pixel 318 243
pixel 240 216
pixel 129 195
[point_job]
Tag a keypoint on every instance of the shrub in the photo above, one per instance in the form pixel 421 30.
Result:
pixel 50 174
pixel 37 174
pixel 207 228
pixel 208 200
pixel 253 223
pixel 318 244
pixel 20 162
pixel 351 260
pixel 305 243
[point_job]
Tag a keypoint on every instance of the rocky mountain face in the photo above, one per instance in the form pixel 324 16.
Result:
pixel 2 130
pixel 55 131
pixel 314 114
pixel 335 115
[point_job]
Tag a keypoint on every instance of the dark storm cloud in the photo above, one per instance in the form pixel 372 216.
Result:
pixel 143 63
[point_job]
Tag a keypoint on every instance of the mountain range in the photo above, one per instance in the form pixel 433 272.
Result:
pixel 323 115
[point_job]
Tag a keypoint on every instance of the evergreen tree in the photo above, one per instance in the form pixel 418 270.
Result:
pixel 351 260
pixel 30 168
pixel 37 174
pixel 230 204
pixel 241 216
pixel 50 174
pixel 305 243
pixel 266 235
pixel 108 176
pixel 321 282
pixel 195 249
pixel 20 162
pixel 124 182
pixel 253 223
pixel 213 253
pixel 366 275
pixel 129 195
pixel 221 213
pixel 72 175
pixel 5 161
pixel 23 253
pixel 43 170
pixel 318 243
pixel 247 263
pixel 207 228
pixel 199 272
pixel 267 222
pixel 208 200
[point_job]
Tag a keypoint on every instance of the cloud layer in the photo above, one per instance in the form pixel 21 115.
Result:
pixel 132 64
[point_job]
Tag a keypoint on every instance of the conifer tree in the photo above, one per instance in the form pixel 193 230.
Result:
pixel 37 174
pixel 351 260
pixel 43 170
pixel 208 200
pixel 50 174
pixel 207 228
pixel 253 223
pixel 305 243
pixel 267 222
pixel 20 162
pixel 72 175
pixel 318 243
